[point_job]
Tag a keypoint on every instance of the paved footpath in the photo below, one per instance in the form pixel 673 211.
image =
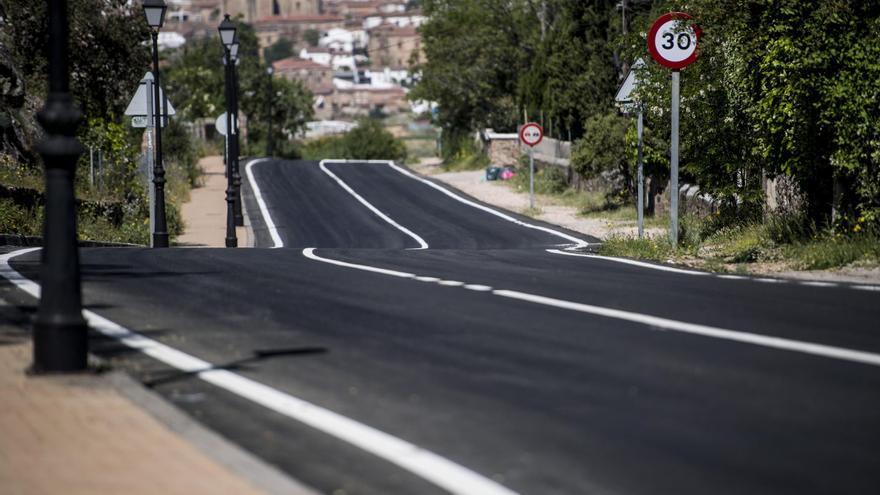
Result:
pixel 204 215
pixel 77 434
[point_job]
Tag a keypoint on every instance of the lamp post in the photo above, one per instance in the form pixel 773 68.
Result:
pixel 227 36
pixel 154 10
pixel 60 332
pixel 236 176
pixel 270 140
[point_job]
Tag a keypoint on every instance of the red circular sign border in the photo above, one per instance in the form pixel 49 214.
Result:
pixel 531 124
pixel 663 19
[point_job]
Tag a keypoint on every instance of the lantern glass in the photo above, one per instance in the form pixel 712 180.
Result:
pixel 154 10
pixel 227 31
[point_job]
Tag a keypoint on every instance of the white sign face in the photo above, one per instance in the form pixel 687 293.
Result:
pixel 220 124
pixel 531 134
pixel 675 41
pixel 624 93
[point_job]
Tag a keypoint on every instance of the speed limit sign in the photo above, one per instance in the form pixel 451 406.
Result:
pixel 672 42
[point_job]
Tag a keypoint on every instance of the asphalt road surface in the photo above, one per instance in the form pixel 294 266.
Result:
pixel 507 357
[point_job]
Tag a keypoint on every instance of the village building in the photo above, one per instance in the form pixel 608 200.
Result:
pixel 395 47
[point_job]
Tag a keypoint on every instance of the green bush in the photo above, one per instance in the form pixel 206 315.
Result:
pixel 368 141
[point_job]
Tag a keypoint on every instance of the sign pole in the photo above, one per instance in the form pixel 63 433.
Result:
pixel 531 178
pixel 150 125
pixel 641 175
pixel 673 162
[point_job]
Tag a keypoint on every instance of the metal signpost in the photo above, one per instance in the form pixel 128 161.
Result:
pixel 531 134
pixel 624 98
pixel 673 44
pixel 141 110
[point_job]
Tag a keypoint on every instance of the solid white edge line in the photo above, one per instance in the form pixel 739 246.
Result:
pixel 578 242
pixel 630 262
pixel 423 463
pixel 349 190
pixel 822 350
pixel 273 231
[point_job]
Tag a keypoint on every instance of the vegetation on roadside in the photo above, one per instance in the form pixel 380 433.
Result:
pixel 368 141
pixel 787 242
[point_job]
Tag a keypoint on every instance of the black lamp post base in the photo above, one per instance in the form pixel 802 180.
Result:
pixel 160 239
pixel 60 347
pixel 232 242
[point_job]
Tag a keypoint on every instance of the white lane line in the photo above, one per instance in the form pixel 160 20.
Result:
pixel 723 276
pixel 630 262
pixel 273 231
pixel 818 284
pixel 450 283
pixel 423 463
pixel 578 242
pixel 422 243
pixel 653 322
pixel 477 287
pixel 427 279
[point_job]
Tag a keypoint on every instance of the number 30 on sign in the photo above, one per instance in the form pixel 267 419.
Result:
pixel 672 41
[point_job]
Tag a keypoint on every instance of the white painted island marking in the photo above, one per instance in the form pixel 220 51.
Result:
pixel 349 190
pixel 273 231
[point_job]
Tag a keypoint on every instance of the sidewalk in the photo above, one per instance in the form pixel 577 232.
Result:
pixel 77 434
pixel 204 215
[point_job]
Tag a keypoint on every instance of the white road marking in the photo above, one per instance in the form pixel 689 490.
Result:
pixel 578 242
pixel 723 276
pixel 818 284
pixel 477 287
pixel 822 350
pixel 276 238
pixel 427 279
pixel 630 262
pixel 423 463
pixel 349 190
pixel 450 283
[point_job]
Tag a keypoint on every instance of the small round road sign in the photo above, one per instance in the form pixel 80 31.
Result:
pixel 673 43
pixel 531 134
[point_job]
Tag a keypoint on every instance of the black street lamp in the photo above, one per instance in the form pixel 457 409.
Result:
pixel 154 10
pixel 236 176
pixel 227 36
pixel 60 332
pixel 270 141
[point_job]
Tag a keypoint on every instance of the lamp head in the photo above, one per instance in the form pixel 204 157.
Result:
pixel 154 10
pixel 227 32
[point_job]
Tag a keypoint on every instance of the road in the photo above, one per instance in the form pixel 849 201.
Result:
pixel 399 310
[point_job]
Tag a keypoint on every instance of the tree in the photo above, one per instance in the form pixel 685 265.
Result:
pixel 282 48
pixel 312 36
pixel 108 57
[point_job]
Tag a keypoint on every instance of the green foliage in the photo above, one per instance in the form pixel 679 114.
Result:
pixel 780 88
pixel 603 150
pixel 368 141
pixel 312 36
pixel 108 53
pixel 19 219
pixel 289 106
pixel 119 177
pixel 282 48
pixel 548 180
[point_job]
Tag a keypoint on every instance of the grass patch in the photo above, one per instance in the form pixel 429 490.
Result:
pixel 791 242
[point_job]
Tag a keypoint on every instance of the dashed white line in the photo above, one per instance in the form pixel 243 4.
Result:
pixel 427 279
pixel 477 287
pixel 450 283
pixel 653 322
pixel 423 463
pixel 376 211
